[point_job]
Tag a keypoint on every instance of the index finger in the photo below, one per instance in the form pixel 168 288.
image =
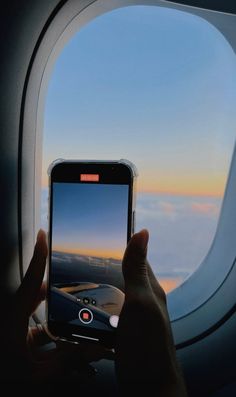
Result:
pixel 29 290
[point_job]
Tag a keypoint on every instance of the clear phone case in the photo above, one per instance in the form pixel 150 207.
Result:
pixel 134 173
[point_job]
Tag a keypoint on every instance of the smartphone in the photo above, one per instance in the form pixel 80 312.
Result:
pixel 91 219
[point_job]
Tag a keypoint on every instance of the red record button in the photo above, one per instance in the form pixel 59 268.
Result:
pixel 85 316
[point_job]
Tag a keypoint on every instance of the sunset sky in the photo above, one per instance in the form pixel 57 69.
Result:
pixel 152 85
pixel 158 87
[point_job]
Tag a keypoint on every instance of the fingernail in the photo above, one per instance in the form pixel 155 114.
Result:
pixel 40 234
pixel 41 244
pixel 144 239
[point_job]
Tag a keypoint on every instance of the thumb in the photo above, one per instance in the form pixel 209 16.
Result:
pixel 134 265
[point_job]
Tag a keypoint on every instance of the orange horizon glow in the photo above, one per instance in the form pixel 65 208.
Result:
pixel 103 253
pixel 168 284
pixel 183 185
pixel 194 191
pixel 172 192
pixel 179 184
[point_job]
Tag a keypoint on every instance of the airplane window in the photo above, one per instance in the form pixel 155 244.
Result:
pixel 156 86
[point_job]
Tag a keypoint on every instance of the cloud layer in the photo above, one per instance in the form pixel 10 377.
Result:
pixel 181 231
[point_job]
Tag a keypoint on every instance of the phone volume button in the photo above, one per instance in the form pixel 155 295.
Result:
pixel 133 222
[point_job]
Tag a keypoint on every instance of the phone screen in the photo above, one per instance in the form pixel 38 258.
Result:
pixel 89 232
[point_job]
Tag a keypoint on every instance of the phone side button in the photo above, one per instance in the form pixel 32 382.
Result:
pixel 133 222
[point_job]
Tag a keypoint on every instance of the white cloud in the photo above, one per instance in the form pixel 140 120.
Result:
pixel 205 208
pixel 181 230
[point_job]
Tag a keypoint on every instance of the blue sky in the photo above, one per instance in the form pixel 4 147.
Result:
pixel 158 87
pixel 90 219
pixel 150 84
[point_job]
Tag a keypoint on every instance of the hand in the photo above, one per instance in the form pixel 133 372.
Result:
pixel 20 353
pixel 145 351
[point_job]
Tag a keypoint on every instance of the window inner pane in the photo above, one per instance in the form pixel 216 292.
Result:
pixel 158 87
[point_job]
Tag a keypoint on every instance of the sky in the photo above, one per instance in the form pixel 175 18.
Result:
pixel 90 219
pixel 158 87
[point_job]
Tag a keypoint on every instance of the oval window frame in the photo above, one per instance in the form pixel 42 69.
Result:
pixel 203 301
